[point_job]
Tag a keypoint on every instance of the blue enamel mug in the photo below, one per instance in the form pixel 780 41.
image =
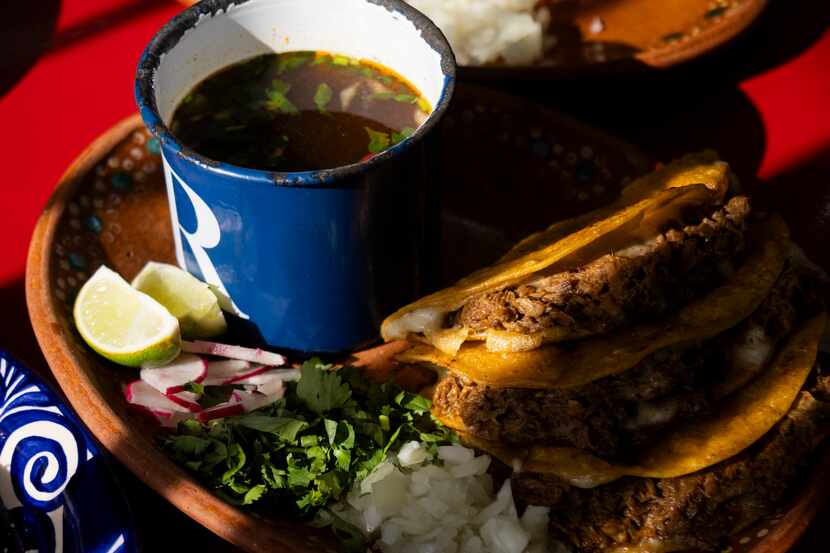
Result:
pixel 312 261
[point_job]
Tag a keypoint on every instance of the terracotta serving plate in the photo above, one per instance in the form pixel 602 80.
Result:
pixel 599 36
pixel 510 168
pixel 590 35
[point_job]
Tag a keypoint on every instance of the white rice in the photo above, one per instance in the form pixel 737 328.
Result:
pixel 410 504
pixel 488 31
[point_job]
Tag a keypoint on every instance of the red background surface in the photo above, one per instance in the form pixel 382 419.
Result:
pixel 66 75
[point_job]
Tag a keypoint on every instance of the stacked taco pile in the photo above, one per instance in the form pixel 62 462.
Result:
pixel 647 369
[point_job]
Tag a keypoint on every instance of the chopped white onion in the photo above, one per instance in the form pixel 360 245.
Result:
pixel 504 535
pixel 411 506
pixel 473 467
pixel 455 454
pixel 412 453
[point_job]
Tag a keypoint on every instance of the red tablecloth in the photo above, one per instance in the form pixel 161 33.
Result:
pixel 66 75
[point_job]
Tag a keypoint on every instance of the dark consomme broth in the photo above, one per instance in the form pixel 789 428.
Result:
pixel 298 111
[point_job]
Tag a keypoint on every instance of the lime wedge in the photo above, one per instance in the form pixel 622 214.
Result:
pixel 124 325
pixel 185 296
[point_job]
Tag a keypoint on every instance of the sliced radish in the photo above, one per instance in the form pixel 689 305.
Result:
pixel 251 401
pixel 219 378
pixel 289 375
pixel 142 394
pixel 173 377
pixel 260 377
pixel 219 372
pixel 234 352
pixel 175 419
pixel 188 400
pixel 240 402
pixel 243 378
pixel 273 387
pixel 168 419
pixel 269 383
pixel 220 411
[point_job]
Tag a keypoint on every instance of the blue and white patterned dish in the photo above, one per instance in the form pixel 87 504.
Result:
pixel 55 486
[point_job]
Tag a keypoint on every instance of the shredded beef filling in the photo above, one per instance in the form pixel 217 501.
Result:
pixel 599 417
pixel 696 511
pixel 613 416
pixel 622 287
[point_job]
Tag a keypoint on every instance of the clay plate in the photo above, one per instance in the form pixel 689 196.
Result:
pixel 588 37
pixel 600 36
pixel 503 157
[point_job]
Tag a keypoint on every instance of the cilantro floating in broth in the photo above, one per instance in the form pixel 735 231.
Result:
pixel 322 96
pixel 320 59
pixel 404 133
pixel 381 96
pixel 277 99
pixel 242 113
pixel 308 448
pixel 288 62
pixel 400 98
pixel 405 98
pixel 378 141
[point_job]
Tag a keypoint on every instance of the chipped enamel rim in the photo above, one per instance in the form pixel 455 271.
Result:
pixel 167 39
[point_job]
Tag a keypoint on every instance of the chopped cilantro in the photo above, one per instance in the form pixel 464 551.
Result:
pixel 195 388
pixel 323 96
pixel 277 99
pixel 289 62
pixel 340 60
pixel 212 395
pixel 405 98
pixel 381 96
pixel 308 448
pixel 378 141
pixel 319 390
pixel 285 428
pixel 405 133
pixel 321 59
pixel 253 494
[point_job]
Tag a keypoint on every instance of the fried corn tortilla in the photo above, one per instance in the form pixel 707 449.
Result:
pixel 647 205
pixel 739 422
pixel 554 366
pixel 703 167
